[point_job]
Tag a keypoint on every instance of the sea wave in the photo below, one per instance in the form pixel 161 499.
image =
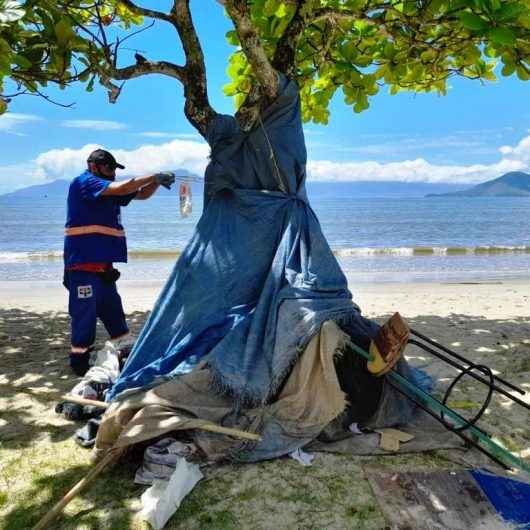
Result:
pixel 57 255
pixel 47 255
pixel 432 251
pixel 353 252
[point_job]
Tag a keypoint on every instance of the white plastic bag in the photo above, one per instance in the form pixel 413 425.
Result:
pixel 162 499
pixel 185 199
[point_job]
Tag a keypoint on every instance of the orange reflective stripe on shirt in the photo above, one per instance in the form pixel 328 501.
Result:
pixel 94 229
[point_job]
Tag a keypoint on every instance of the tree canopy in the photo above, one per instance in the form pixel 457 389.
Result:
pixel 358 46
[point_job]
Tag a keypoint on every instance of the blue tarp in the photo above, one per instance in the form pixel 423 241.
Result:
pixel 511 498
pixel 257 278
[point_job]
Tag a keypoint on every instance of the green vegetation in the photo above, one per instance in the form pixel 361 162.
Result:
pixel 356 46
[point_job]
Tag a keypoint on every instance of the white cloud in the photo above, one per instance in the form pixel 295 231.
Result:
pixel 67 163
pixel 161 134
pixel 520 152
pixel 193 156
pixel 11 121
pixel 516 158
pixel 418 170
pixel 95 125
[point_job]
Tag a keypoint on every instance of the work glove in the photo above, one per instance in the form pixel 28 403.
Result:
pixel 166 179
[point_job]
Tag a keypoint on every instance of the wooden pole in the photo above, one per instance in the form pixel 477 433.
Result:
pixel 84 401
pixel 109 458
pixel 211 427
pixel 113 455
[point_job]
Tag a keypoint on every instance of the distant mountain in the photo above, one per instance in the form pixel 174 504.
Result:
pixel 358 189
pixel 56 188
pixel 59 188
pixel 513 184
pixel 371 189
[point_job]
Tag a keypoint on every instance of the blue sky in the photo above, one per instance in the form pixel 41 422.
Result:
pixel 475 133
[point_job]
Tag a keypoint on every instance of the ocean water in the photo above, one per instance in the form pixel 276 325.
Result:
pixel 375 239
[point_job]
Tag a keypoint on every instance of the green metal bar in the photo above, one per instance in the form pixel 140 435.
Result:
pixel 438 407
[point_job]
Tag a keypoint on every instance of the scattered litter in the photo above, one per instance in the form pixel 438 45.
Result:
pixel 391 439
pixel 354 428
pixel 160 460
pixel 302 457
pixel 162 499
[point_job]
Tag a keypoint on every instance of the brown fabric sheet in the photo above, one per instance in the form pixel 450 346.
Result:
pixel 310 399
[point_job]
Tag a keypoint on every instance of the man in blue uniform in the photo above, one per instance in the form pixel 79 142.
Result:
pixel 94 240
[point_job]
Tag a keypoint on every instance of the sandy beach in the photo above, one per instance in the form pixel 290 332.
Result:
pixel 488 322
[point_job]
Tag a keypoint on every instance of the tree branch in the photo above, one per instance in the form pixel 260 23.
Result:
pixel 252 47
pixel 192 75
pixel 150 67
pixel 197 107
pixel 137 70
pixel 150 13
pixel 284 59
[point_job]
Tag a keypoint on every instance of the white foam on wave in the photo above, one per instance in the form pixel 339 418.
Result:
pixel 352 252
pixel 14 257
pixel 431 251
pixel 373 251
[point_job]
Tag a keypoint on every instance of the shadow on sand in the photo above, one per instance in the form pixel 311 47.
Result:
pixel 33 353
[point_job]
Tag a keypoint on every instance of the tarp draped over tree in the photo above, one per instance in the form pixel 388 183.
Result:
pixel 258 278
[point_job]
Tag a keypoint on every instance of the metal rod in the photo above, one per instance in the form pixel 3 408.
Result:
pixel 463 359
pixel 454 364
pixel 458 433
pixel 497 450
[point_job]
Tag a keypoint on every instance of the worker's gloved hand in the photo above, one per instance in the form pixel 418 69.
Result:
pixel 166 179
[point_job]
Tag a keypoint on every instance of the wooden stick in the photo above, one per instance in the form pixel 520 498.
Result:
pixel 109 458
pixel 211 427
pixel 236 433
pixel 84 401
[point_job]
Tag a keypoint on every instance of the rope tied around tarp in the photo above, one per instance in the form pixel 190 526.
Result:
pixel 277 175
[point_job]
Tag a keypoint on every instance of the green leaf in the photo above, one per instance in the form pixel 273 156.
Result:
pixel 230 89
pixel 522 73
pixel 21 61
pixel 270 7
pixel 232 38
pixel 3 106
pixel 64 32
pixel 281 11
pixel 490 51
pixel 510 11
pixel 389 51
pixel 473 22
pixel 504 36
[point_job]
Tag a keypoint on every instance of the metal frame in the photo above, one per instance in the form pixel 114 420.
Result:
pixel 465 429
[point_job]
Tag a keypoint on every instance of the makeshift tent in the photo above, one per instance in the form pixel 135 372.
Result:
pixel 258 278
pixel 310 399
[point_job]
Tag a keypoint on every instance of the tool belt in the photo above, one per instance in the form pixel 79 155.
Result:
pixel 109 276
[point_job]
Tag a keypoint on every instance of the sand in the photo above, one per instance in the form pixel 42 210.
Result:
pixel 487 322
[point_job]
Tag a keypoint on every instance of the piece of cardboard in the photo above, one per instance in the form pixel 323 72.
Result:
pixel 391 439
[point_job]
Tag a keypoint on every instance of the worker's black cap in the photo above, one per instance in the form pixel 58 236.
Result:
pixel 100 156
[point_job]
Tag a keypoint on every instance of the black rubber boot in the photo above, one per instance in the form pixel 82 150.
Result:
pixel 79 363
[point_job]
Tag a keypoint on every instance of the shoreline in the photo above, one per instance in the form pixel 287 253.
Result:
pixel 501 299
